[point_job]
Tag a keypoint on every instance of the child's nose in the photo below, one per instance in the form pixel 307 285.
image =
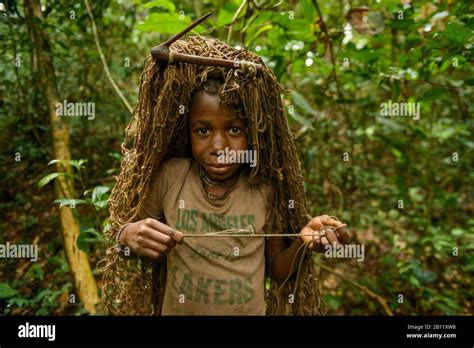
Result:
pixel 218 142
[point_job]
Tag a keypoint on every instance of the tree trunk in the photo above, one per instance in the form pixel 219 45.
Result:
pixel 79 264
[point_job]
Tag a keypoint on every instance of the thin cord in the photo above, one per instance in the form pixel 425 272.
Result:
pixel 237 232
pixel 261 235
pixel 291 268
pixel 251 233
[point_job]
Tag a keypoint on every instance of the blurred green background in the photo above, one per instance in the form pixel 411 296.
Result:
pixel 403 185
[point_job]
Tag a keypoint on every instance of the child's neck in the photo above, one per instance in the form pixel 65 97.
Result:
pixel 217 191
pixel 215 188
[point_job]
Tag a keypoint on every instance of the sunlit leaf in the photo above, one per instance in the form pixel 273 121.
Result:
pixel 78 164
pixel 226 13
pixel 164 4
pixel 46 179
pixel 69 202
pixel 167 23
pixel 98 192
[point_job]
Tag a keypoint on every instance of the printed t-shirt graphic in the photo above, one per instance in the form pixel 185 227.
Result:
pixel 223 275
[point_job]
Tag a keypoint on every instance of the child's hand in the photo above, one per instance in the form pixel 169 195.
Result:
pixel 150 237
pixel 319 240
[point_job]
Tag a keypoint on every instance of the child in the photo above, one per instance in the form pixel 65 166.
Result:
pixel 213 155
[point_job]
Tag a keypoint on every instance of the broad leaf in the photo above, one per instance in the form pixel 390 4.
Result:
pixel 6 291
pixel 46 179
pixel 164 4
pixel 69 202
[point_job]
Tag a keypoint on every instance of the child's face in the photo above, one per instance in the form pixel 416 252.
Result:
pixel 214 127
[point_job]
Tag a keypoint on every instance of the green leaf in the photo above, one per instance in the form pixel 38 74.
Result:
pixel 101 204
pixel 413 281
pixel 98 193
pixel 164 4
pixel 389 124
pixel 20 302
pixel 449 61
pixel 334 302
pixel 301 120
pixel 78 164
pixel 36 271
pixel 456 83
pixel 301 102
pixel 397 153
pixel 69 202
pixel 457 33
pixel 404 268
pixel 259 32
pixel 6 291
pixel 166 23
pixel 226 14
pixel 415 194
pixel 106 224
pixel 87 236
pixel 43 295
pixel 434 93
pixel 116 156
pixel 308 9
pixel 294 26
pixel 450 302
pixel 46 179
pixel 443 133
pixel 54 161
pixel 42 311
pixel 456 232
pixel 445 309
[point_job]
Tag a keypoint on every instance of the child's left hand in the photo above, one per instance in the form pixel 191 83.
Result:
pixel 318 241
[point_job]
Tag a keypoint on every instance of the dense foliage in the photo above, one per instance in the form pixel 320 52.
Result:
pixel 402 183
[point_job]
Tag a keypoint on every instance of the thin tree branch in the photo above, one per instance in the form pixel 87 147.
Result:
pixel 369 292
pixel 420 82
pixel 331 51
pixel 102 58
pixel 236 15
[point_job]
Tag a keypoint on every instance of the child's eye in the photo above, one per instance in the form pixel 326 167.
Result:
pixel 235 130
pixel 202 131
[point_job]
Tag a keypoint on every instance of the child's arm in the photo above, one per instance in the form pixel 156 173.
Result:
pixel 279 257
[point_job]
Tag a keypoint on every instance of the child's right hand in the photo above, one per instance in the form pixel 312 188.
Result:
pixel 150 237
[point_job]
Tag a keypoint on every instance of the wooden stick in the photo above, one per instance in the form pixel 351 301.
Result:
pixel 162 52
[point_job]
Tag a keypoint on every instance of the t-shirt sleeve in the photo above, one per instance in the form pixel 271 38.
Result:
pixel 164 180
pixel 152 205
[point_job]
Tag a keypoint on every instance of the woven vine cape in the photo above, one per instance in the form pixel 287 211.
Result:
pixel 159 131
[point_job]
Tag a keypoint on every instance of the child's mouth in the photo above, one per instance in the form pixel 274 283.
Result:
pixel 219 169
